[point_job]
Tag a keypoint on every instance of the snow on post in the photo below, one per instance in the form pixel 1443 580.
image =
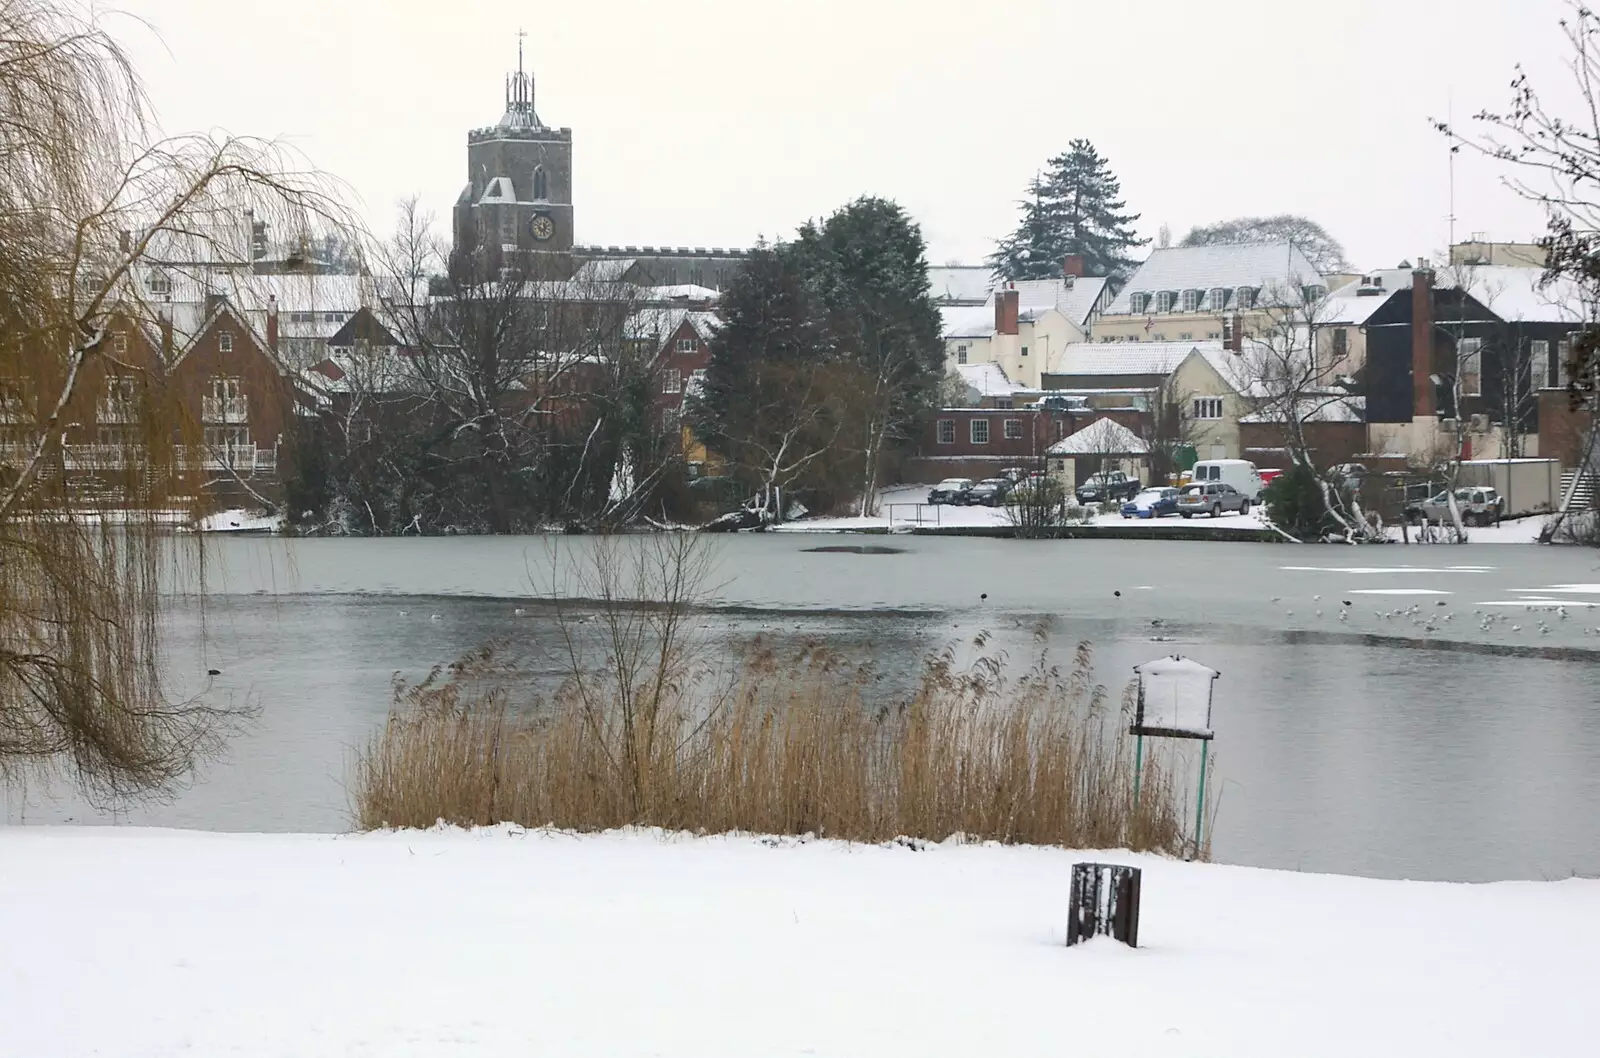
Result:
pixel 1174 698
pixel 1104 902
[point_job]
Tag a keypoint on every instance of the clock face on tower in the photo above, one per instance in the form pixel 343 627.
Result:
pixel 541 227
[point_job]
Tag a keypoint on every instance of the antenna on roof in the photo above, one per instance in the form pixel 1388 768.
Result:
pixel 1455 148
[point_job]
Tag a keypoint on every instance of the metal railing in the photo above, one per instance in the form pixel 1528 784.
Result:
pixel 246 460
pixel 114 410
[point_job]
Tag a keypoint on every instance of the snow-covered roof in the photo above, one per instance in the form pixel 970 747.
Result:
pixel 605 270
pixel 498 190
pixel 1328 407
pixel 1122 358
pixel 681 292
pixel 1101 437
pixel 1076 301
pixel 960 284
pixel 989 380
pixel 1514 293
pixel 661 322
pixel 966 321
pixel 1278 270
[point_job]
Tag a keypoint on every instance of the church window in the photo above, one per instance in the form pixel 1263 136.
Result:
pixel 541 184
pixel 508 231
pixel 697 278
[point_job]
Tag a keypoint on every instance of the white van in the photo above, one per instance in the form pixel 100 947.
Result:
pixel 1240 473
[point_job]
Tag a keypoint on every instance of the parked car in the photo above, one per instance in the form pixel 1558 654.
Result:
pixel 1108 487
pixel 990 492
pixel 951 490
pixel 1240 473
pixel 1152 503
pixel 1212 497
pixel 1479 505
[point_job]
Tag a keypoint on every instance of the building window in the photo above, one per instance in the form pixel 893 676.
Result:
pixel 332 317
pixel 1024 350
pixel 1469 367
pixel 1208 407
pixel 1013 429
pixel 961 354
pixel 1191 300
pixel 1341 343
pixel 225 342
pixel 697 277
pixel 1164 301
pixel 1314 293
pixel 1219 298
pixel 1244 298
pixel 1185 336
pixel 697 379
pixel 947 431
pixel 980 431
pixel 1005 403
pixel 541 184
pixel 1541 365
pixel 508 229
pixel 1138 302
pixel 688 345
pixel 160 283
pixel 672 380
pixel 119 389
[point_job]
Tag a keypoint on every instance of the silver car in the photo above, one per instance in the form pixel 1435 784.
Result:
pixel 1211 498
pixel 1478 505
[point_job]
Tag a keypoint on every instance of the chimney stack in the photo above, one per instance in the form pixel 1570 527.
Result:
pixel 1233 333
pixel 272 322
pixel 1005 310
pixel 164 313
pixel 1424 404
pixel 1072 266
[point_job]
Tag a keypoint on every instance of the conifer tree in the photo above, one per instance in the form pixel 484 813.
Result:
pixel 1074 207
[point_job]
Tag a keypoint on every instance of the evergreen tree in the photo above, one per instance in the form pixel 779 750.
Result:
pixel 867 266
pixel 1075 207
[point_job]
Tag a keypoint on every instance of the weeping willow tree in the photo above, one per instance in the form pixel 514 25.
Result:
pixel 90 197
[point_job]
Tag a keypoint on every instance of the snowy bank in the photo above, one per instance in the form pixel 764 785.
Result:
pixel 146 942
pixel 905 507
pixel 240 521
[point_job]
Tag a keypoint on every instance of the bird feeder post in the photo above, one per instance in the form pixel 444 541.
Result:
pixel 1175 702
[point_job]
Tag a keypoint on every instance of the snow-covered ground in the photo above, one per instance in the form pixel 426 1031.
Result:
pixel 241 521
pixel 906 507
pixel 503 942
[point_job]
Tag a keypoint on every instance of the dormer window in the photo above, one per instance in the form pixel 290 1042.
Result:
pixel 1314 292
pixel 1191 300
pixel 1244 298
pixel 1139 302
pixel 1164 301
pixel 1219 298
pixel 160 283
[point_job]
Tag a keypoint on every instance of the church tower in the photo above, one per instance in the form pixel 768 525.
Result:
pixel 518 196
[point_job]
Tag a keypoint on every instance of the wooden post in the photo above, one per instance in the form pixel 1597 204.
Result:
pixel 1104 902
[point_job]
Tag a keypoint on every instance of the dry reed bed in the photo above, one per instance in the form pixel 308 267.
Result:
pixel 787 746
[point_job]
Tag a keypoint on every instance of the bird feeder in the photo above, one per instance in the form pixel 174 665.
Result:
pixel 1174 702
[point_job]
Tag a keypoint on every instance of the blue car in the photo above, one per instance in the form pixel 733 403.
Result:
pixel 1152 503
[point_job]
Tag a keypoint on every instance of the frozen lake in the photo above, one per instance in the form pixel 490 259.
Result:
pixel 1370 745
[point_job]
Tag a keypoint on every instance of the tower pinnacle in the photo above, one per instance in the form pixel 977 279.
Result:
pixel 519 95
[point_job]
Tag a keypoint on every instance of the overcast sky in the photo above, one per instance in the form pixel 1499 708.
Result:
pixel 710 122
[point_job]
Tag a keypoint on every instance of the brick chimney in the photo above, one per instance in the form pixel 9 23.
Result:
pixel 164 313
pixel 1423 402
pixel 1233 333
pixel 1072 266
pixel 272 322
pixel 1005 310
